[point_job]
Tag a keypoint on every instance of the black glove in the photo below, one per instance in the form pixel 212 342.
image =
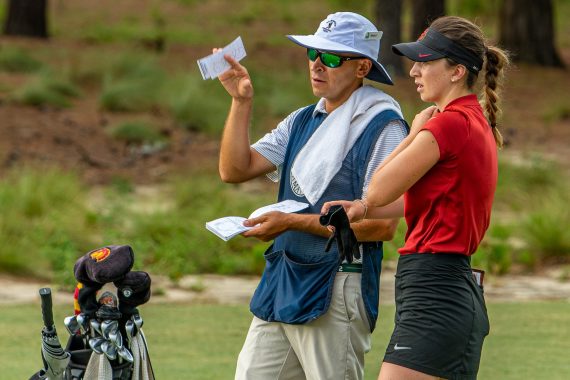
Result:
pixel 343 234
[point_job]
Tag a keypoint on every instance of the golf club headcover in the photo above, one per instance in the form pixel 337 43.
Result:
pixel 343 234
pixel 87 298
pixel 104 265
pixel 133 290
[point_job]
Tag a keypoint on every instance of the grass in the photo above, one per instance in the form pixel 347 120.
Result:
pixel 527 340
pixel 131 84
pixel 13 59
pixel 174 241
pixel 47 89
pixel 42 225
pixel 557 112
pixel 127 78
pixel 196 104
pixel 547 226
pixel 136 132
pixel 58 224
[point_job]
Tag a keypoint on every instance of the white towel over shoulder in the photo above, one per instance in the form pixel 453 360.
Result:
pixel 322 156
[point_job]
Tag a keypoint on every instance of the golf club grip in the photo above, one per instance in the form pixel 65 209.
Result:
pixel 47 313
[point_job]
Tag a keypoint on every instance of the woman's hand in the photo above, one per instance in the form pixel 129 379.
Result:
pixel 421 118
pixel 355 210
pixel 236 80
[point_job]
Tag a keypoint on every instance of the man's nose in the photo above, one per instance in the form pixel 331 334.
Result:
pixel 317 64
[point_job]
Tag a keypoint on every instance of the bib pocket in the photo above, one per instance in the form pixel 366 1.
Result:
pixel 293 292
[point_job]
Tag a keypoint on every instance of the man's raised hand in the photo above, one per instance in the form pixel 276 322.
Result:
pixel 236 80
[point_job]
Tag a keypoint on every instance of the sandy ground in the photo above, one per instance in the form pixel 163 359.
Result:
pixel 238 290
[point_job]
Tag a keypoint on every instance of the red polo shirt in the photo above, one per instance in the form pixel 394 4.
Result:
pixel 449 208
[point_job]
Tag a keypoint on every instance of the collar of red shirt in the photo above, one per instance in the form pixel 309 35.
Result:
pixel 464 101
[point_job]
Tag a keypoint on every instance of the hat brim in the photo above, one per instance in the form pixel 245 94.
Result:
pixel 378 73
pixel 416 51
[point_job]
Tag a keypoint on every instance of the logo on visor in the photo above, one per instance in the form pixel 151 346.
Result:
pixel 421 55
pixel 330 26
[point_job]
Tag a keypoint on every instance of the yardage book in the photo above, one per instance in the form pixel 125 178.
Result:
pixel 229 226
pixel 215 64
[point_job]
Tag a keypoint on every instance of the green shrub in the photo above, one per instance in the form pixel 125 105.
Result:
pixel 131 84
pixel 521 181
pixel 546 227
pixel 122 185
pixel 167 231
pixel 17 60
pixel 535 190
pixel 88 67
pixel 42 227
pixel 282 94
pixel 196 104
pixel 556 112
pixel 136 132
pixel 47 89
pixel 391 247
pixel 495 253
pixel 128 29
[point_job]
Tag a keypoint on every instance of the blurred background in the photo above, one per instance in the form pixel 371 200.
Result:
pixel 109 135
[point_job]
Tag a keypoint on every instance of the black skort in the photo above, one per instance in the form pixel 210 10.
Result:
pixel 441 318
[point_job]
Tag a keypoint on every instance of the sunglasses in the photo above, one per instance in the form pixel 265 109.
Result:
pixel 329 59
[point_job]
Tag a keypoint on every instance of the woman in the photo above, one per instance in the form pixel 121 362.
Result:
pixel 446 170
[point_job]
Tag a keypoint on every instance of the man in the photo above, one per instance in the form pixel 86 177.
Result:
pixel 313 317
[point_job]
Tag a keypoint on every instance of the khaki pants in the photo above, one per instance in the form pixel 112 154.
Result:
pixel 329 348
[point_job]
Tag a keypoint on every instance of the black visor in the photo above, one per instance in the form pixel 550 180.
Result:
pixel 433 45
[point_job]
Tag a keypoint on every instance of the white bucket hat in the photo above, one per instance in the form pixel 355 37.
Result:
pixel 347 32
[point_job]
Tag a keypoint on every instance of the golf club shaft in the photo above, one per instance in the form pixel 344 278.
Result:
pixel 47 313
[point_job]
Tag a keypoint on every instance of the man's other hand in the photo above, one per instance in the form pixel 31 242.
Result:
pixel 267 226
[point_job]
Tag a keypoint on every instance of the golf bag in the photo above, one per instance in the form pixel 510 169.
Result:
pixel 106 337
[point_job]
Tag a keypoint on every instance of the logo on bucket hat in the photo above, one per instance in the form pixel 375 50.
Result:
pixel 351 33
pixel 330 25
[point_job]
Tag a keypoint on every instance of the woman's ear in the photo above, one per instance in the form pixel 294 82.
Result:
pixel 459 71
pixel 364 67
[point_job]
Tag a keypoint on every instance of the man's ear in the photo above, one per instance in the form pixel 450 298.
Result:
pixel 364 67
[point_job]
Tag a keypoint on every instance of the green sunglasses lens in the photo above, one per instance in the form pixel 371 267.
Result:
pixel 312 54
pixel 328 59
pixel 331 60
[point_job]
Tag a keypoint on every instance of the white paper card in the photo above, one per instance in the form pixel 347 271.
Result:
pixel 215 64
pixel 229 226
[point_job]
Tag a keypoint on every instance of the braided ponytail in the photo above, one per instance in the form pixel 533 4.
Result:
pixel 471 37
pixel 495 60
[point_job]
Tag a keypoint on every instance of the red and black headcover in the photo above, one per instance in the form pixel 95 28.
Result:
pixel 98 267
pixel 104 265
